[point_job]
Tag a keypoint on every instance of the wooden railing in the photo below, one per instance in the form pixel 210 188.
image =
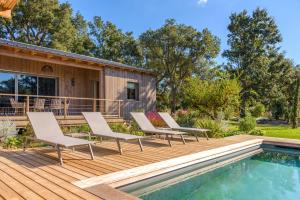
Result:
pixel 18 105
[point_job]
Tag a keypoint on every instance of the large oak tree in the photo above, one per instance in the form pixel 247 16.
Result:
pixel 175 52
pixel 254 58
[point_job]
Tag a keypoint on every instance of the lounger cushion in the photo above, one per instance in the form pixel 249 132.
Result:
pixel 100 127
pixel 46 129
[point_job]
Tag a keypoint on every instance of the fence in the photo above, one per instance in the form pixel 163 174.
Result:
pixel 18 105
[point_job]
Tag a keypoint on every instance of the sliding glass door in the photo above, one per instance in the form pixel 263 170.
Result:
pixel 27 85
pixel 47 86
pixel 23 84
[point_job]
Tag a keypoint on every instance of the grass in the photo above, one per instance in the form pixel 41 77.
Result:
pixel 279 131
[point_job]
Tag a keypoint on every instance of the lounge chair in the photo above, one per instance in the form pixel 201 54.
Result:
pixel 147 127
pixel 47 130
pixel 174 126
pixel 100 127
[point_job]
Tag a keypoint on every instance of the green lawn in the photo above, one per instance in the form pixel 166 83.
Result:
pixel 279 131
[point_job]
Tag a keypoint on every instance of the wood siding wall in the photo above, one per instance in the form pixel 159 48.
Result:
pixel 113 82
pixel 83 77
pixel 116 88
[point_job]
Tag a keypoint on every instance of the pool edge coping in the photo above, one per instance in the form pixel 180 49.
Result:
pixel 128 176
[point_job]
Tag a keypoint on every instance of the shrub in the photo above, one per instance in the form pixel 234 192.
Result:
pixel 155 119
pixel 215 127
pixel 134 129
pixel 257 132
pixel 258 110
pixel 232 133
pixel 119 127
pixel 14 141
pixel 186 118
pixel 247 124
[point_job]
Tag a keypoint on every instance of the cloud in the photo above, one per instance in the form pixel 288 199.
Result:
pixel 202 2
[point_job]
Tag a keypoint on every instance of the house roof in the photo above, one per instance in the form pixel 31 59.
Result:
pixel 60 53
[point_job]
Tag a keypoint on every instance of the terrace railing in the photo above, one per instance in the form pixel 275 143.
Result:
pixel 18 105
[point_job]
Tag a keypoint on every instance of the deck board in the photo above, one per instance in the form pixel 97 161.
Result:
pixel 35 173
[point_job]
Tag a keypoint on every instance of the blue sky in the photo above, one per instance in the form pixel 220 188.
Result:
pixel 140 15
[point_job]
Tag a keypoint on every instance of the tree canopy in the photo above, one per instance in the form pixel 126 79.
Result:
pixel 175 52
pixel 254 58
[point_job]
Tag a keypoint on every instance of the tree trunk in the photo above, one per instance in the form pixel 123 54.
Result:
pixel 295 105
pixel 243 107
pixel 173 100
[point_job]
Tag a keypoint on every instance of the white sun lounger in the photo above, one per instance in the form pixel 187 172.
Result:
pixel 100 127
pixel 47 130
pixel 174 126
pixel 147 127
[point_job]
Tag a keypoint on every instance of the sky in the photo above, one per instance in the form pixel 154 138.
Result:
pixel 138 16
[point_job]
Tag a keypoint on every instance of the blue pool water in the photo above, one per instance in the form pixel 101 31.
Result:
pixel 265 176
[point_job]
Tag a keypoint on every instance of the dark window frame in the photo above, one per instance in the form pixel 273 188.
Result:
pixel 133 93
pixel 18 74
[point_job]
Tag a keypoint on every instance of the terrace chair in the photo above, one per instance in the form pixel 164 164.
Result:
pixel 56 106
pixel 174 126
pixel 47 130
pixel 39 104
pixel 147 127
pixel 17 105
pixel 100 127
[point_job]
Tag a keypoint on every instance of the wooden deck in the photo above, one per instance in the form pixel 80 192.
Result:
pixel 35 174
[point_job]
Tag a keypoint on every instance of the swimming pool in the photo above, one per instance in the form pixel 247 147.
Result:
pixel 271 173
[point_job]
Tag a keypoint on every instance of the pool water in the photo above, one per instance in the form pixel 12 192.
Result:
pixel 266 176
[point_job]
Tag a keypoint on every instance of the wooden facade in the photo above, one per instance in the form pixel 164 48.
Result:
pixel 80 76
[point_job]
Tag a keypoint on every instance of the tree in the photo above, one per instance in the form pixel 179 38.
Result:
pixel 212 96
pixel 295 103
pixel 174 53
pixel 47 23
pixel 252 41
pixel 112 44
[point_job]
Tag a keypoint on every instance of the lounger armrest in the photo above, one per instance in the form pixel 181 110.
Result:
pixel 78 135
pixel 163 132
pixel 163 128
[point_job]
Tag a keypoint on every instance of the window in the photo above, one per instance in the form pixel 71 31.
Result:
pixel 46 86
pixel 27 85
pixel 7 83
pixel 13 83
pixel 133 91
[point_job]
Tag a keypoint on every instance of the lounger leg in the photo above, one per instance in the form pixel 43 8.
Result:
pixel 182 138
pixel 59 155
pixel 141 145
pixel 196 136
pixel 91 152
pixel 119 146
pixel 168 137
pixel 25 144
pixel 206 135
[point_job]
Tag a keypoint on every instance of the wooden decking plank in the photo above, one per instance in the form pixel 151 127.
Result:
pixel 94 163
pixel 102 159
pixel 7 193
pixel 28 178
pixel 19 187
pixel 61 187
pixel 54 166
pixel 43 156
pixel 78 165
pixel 45 167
